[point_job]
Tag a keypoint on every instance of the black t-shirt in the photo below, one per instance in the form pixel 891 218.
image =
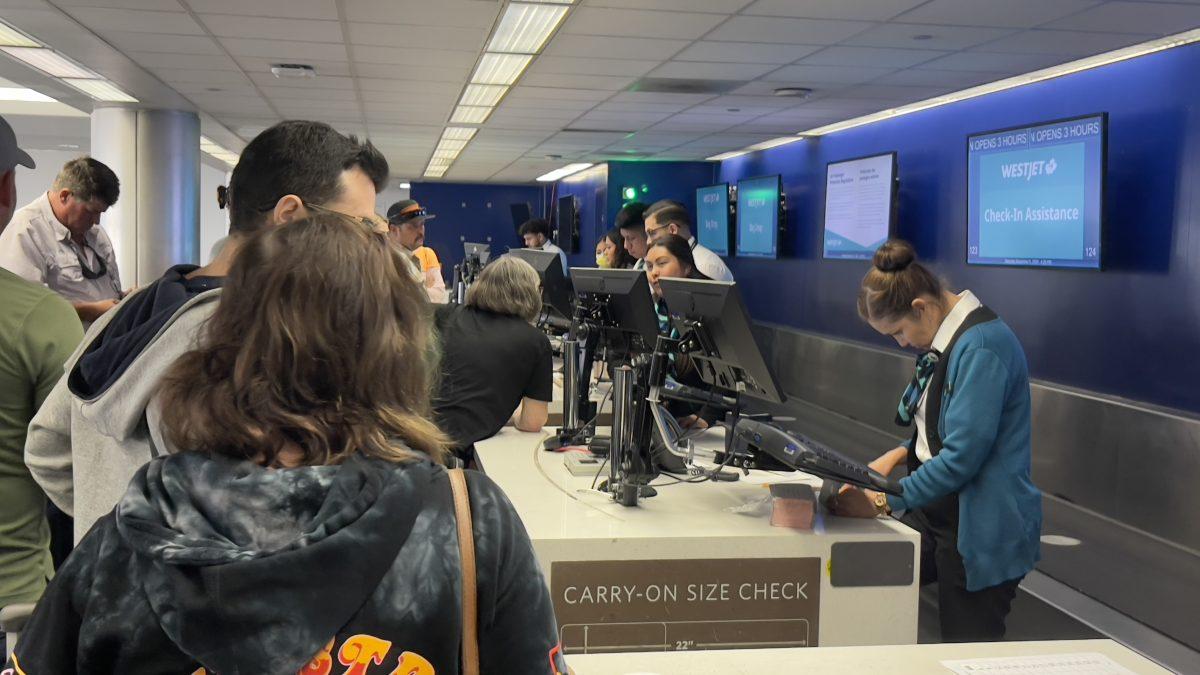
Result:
pixel 489 363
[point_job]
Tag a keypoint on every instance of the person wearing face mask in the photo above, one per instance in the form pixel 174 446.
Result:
pixel 55 241
pixel 968 491
pixel 611 253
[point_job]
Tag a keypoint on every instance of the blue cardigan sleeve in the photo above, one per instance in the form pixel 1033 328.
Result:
pixel 970 423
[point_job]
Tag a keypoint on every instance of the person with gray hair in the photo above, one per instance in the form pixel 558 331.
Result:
pixel 38 332
pixel 494 361
pixel 55 241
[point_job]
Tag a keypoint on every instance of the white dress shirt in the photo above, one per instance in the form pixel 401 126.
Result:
pixel 709 263
pixel 38 248
pixel 967 303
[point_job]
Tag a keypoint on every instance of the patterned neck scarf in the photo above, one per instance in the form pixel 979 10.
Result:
pixel 912 395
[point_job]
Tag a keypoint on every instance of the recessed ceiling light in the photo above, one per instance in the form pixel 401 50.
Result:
pixel 23 94
pixel 292 70
pixel 49 61
pixel 101 90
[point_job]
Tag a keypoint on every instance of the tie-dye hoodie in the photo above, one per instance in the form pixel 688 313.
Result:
pixel 210 565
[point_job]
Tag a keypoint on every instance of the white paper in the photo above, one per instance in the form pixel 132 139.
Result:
pixel 1050 664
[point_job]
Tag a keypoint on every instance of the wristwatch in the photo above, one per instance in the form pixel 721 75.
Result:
pixel 881 504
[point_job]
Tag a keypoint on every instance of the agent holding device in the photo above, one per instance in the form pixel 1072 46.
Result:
pixel 969 491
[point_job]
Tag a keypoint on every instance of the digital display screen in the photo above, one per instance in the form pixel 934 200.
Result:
pixel 758 217
pixel 859 203
pixel 712 218
pixel 1034 195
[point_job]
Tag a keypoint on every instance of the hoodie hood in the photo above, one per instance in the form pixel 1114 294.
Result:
pixel 136 323
pixel 253 570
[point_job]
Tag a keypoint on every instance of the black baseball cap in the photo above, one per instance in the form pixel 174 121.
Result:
pixel 406 210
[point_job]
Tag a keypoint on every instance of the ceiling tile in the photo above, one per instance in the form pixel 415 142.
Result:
pixel 598 82
pixel 627 107
pixel 949 38
pixel 745 52
pixel 711 71
pixel 591 66
pixel 713 6
pixel 170 44
pixel 684 122
pixel 863 10
pixel 787 31
pixel 604 46
pixel 1067 43
pixel 460 13
pixel 764 102
pixel 403 94
pixel 818 75
pixel 442 76
pixel 263 28
pixel 875 57
pixel 174 75
pixel 892 94
pixel 262 65
pixel 293 9
pixel 268 82
pixel 322 94
pixel 746 111
pixel 413 57
pixel 101 19
pixel 1134 17
pixel 524 92
pixel 656 97
pixel 937 78
pixel 190 88
pixel 1010 13
pixel 987 62
pixel 428 37
pixel 284 49
pixel 639 23
pixel 206 61
pixel 369 84
pixel 627 121
pixel 154 5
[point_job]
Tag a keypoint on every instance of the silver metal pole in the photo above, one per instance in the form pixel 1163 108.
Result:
pixel 570 356
pixel 622 432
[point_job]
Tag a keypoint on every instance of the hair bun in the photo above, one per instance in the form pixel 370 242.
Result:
pixel 894 256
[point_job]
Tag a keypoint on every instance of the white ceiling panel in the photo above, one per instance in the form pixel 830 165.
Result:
pixel 989 62
pixel 597 82
pixel 754 102
pixel 426 37
pixel 619 121
pixel 458 13
pixel 152 5
pixel 711 71
pixel 284 49
pixel 258 64
pixel 712 6
pixel 416 57
pixel 263 28
pixel 871 57
pixel 524 92
pixel 821 75
pixel 190 88
pixel 626 107
pixel 1134 17
pixel 745 52
pixel 1067 43
pixel 1010 13
pixel 432 75
pixel 591 66
pixel 532 106
pixel 205 61
pixel 315 94
pixel 609 47
pixel 403 95
pixel 293 9
pixel 269 83
pixel 639 23
pixel 659 97
pixel 705 123
pixel 416 88
pixel 170 44
pixel 242 106
pixel 937 78
pixel 892 95
pixel 174 75
pixel 745 111
pixel 863 10
pixel 103 19
pixel 787 31
pixel 510 121
pixel 924 36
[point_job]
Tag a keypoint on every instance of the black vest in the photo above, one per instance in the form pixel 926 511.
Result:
pixel 945 510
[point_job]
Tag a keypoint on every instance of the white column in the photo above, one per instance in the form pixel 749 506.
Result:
pixel 156 221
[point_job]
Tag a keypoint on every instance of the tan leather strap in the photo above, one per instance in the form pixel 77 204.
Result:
pixel 466 548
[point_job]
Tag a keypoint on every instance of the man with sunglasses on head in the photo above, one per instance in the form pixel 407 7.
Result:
pixel 101 421
pixel 55 240
pixel 406 228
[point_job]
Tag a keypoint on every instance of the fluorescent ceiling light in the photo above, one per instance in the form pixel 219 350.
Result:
pixel 1133 51
pixel 775 143
pixel 405 186
pixel 49 61
pixel 562 173
pixel 468 114
pixel 500 68
pixel 12 37
pixel 448 155
pixel 459 133
pixel 447 144
pixel 727 155
pixel 23 94
pixel 524 28
pixel 482 94
pixel 101 90
pixel 435 173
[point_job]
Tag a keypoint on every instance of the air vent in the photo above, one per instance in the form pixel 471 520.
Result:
pixel 667 85
pixel 291 70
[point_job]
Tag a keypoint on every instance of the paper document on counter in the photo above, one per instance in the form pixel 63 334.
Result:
pixel 1058 664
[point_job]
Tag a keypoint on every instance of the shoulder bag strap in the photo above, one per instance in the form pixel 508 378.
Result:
pixel 466 548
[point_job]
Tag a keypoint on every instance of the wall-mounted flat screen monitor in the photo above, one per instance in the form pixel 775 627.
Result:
pixel 1035 194
pixel 860 206
pixel 758 209
pixel 712 218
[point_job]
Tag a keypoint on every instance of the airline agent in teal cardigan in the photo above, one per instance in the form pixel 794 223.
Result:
pixel 968 490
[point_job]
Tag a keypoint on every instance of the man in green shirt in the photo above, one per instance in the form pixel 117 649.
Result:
pixel 38 332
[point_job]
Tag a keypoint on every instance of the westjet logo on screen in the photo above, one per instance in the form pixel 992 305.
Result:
pixel 1027 170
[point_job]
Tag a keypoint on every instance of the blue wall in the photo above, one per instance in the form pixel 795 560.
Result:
pixel 477 213
pixel 1132 330
pixel 590 190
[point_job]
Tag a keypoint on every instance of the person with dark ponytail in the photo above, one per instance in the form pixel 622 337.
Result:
pixel 968 490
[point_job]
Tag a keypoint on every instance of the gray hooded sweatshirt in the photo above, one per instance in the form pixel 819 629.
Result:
pixel 100 423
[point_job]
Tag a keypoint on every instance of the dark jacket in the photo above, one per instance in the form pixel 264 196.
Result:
pixel 224 565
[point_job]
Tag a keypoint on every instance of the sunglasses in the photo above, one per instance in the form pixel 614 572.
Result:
pixel 89 273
